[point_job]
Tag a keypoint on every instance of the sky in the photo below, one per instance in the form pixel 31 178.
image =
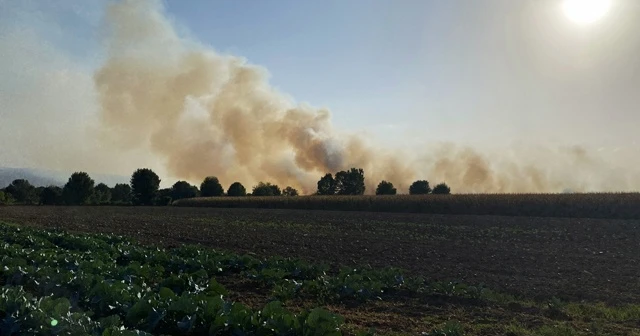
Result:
pixel 493 75
pixel 439 70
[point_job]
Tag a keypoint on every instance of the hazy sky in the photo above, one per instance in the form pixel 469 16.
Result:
pixel 441 70
pixel 404 73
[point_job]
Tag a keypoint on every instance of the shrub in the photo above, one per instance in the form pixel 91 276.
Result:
pixel 5 198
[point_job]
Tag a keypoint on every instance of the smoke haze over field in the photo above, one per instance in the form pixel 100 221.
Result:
pixel 169 102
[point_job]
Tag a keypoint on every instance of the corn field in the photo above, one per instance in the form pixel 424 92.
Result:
pixel 588 205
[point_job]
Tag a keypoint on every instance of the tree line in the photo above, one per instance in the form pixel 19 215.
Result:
pixel 144 189
pixel 351 182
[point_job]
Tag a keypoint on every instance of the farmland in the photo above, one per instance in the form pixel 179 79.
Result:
pixel 587 205
pixel 579 275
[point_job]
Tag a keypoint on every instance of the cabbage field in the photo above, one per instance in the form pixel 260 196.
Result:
pixel 200 271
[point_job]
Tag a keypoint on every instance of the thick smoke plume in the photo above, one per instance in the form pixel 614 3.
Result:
pixel 207 113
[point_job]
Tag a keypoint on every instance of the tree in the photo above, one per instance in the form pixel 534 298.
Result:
pixel 327 185
pixel 102 194
pixel 121 193
pixel 79 189
pixel 289 191
pixel 38 193
pixel 420 187
pixel 22 191
pixel 51 195
pixel 144 186
pixel 211 187
pixel 164 197
pixel 385 188
pixel 350 182
pixel 442 189
pixel 236 189
pixel 183 189
pixel 266 189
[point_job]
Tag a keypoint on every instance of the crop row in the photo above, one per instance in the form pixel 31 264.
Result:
pixel 60 283
pixel 595 205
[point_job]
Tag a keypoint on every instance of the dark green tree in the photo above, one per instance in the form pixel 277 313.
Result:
pixel 266 189
pixel 121 194
pixel 78 189
pixel 350 182
pixel 211 187
pixel 236 189
pixel 420 187
pixel 22 192
pixel 289 191
pixel 144 186
pixel 51 195
pixel 38 193
pixel 164 197
pixel 102 194
pixel 441 189
pixel 182 189
pixel 385 188
pixel 327 185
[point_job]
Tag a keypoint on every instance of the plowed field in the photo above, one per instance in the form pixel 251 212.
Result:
pixel 568 258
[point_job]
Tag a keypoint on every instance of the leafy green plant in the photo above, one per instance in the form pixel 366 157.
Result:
pixel 61 283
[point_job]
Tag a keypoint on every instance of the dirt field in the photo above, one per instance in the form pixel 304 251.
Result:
pixel 572 259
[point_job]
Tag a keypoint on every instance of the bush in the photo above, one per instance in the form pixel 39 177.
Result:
pixel 236 189
pixel 144 186
pixel 385 188
pixel 5 198
pixel 211 187
pixel 420 187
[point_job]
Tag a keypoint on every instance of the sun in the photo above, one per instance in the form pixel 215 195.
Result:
pixel 585 11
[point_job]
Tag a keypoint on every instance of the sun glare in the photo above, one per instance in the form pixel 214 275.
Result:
pixel 586 11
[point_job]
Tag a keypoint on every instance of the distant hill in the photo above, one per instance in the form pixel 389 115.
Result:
pixel 42 177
